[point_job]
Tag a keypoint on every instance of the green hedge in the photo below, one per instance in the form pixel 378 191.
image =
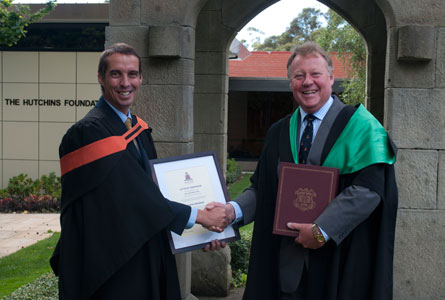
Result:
pixel 233 171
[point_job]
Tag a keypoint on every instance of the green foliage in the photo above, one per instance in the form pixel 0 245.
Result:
pixel 14 18
pixel 26 265
pixel 43 288
pixel 336 36
pixel 233 170
pixel 254 34
pixel 300 30
pixel 49 185
pixel 25 194
pixel 339 36
pixel 240 251
pixel 239 186
pixel 21 186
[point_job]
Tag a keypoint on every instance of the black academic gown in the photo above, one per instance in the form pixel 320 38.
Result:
pixel 360 267
pixel 114 220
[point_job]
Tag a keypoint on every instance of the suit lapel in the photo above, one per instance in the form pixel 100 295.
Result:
pixel 284 149
pixel 314 156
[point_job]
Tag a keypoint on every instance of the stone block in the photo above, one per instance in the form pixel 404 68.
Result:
pixel 416 43
pixel 236 14
pixel 168 71
pixel 211 272
pixel 136 36
pixel 124 12
pixel 210 113
pixel 415 74
pixel 165 149
pixel 168 109
pixel 171 42
pixel 414 117
pixel 212 63
pixel 212 5
pixel 440 61
pixel 441 181
pixel 427 12
pixel 416 174
pixel 419 267
pixel 211 33
pixel 161 12
pixel 169 12
pixel 213 142
pixel 211 84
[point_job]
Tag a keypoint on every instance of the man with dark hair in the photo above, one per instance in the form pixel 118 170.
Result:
pixel 114 219
pixel 347 253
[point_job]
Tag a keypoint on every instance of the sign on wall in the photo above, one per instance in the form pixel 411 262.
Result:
pixel 43 94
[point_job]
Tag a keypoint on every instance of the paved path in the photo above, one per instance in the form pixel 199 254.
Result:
pixel 18 231
pixel 21 230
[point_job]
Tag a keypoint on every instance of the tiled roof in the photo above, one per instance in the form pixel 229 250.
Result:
pixel 272 64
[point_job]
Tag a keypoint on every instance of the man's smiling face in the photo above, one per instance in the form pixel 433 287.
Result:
pixel 310 81
pixel 121 81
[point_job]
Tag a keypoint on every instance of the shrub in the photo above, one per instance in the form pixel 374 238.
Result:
pixel 43 288
pixel 233 170
pixel 25 194
pixel 240 252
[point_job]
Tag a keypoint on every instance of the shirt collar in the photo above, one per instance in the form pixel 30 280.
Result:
pixel 121 115
pixel 321 113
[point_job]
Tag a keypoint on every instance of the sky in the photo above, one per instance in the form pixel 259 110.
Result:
pixel 272 21
pixel 276 18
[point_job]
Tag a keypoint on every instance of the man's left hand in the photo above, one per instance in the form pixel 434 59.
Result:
pixel 306 236
pixel 214 245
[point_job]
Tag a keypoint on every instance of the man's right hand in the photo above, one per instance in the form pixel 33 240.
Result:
pixel 230 213
pixel 215 216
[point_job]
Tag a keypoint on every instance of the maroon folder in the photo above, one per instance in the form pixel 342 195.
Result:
pixel 304 191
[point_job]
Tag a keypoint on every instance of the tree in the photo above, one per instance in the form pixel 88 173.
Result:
pixel 301 29
pixel 339 36
pixel 336 36
pixel 254 35
pixel 14 18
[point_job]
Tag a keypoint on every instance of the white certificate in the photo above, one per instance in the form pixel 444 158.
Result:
pixel 194 180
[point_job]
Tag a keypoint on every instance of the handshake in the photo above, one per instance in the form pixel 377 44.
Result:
pixel 216 216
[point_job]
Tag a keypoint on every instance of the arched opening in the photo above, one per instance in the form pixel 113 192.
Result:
pixel 216 29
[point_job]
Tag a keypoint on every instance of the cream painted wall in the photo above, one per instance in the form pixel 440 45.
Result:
pixel 42 95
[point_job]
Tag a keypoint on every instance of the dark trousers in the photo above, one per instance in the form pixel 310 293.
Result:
pixel 300 293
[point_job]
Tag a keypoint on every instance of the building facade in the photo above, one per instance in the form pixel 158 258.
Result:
pixel 184 45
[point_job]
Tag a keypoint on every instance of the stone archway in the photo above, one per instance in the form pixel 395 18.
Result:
pixel 217 26
pixel 184 45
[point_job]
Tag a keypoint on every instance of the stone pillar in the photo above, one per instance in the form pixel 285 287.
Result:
pixel 211 270
pixel 211 89
pixel 163 33
pixel 414 115
pixel 210 274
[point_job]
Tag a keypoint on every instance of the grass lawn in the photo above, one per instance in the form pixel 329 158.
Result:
pixel 237 188
pixel 26 265
pixel 30 263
